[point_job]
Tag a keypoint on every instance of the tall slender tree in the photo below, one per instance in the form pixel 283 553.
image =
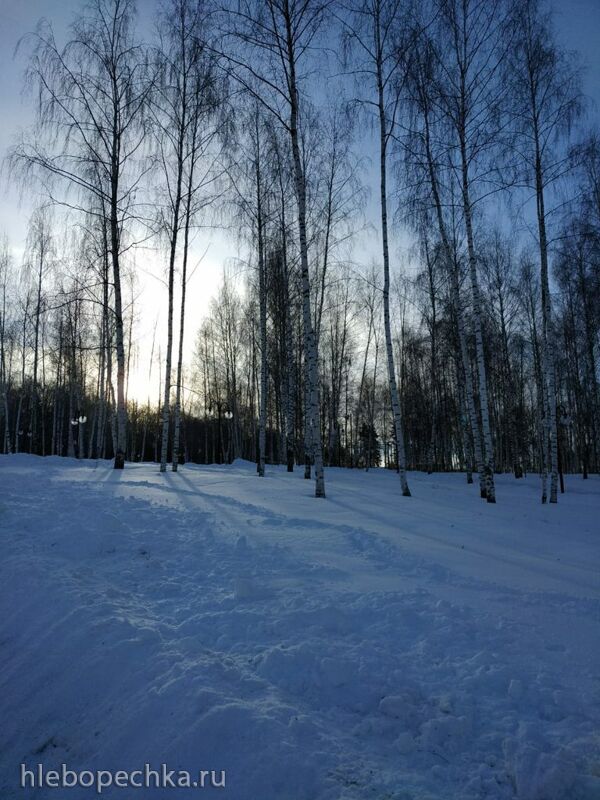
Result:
pixel 546 96
pixel 274 38
pixel 375 32
pixel 92 99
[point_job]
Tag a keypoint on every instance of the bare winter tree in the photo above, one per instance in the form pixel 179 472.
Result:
pixel 273 39
pixel 253 177
pixel 426 155
pixel 39 260
pixel 6 341
pixel 546 101
pixel 183 101
pixel 201 188
pixel 283 296
pixel 472 40
pixel 375 32
pixel 259 221
pixel 92 96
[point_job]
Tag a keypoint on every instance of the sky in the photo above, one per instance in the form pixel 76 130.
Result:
pixel 578 28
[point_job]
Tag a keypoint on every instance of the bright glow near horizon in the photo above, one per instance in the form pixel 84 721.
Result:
pixel 209 254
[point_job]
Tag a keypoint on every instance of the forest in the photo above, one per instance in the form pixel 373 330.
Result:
pixel 414 192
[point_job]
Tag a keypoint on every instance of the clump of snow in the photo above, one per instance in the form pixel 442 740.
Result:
pixel 538 774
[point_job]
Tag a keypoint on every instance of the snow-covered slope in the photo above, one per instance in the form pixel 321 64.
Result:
pixel 363 646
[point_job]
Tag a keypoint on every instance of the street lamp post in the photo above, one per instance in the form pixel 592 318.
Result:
pixel 229 416
pixel 79 422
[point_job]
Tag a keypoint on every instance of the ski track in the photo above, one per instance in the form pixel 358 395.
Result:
pixel 348 649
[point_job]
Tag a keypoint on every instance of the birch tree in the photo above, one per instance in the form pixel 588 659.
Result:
pixel 185 96
pixel 6 341
pixel 375 34
pixel 201 186
pixel 92 97
pixel 282 260
pixel 472 42
pixel 259 182
pixel 39 255
pixel 546 95
pixel 274 38
pixel 427 160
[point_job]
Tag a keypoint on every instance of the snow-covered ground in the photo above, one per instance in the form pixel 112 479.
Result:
pixel 363 646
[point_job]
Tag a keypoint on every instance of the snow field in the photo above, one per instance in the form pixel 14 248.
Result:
pixel 365 646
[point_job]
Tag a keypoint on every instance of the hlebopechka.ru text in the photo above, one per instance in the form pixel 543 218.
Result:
pixel 145 778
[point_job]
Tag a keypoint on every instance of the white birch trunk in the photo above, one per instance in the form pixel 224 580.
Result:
pixel 262 291
pixel 548 361
pixel 179 380
pixel 398 431
pixel 488 458
pixel 121 416
pixel 310 346
pixel 166 408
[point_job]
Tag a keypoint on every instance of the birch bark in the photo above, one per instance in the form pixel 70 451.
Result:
pixel 383 141
pixel 310 347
